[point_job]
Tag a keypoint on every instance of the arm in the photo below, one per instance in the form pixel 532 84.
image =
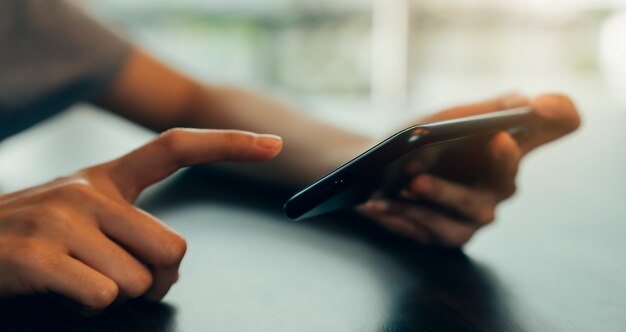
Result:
pixel 159 98
pixel 474 202
pixel 80 236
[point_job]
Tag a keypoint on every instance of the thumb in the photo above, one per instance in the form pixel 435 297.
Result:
pixel 512 100
pixel 559 117
pixel 177 148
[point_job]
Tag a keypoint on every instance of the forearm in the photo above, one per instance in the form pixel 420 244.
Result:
pixel 156 96
pixel 311 147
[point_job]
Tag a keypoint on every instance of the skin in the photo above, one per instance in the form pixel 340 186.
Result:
pixel 475 204
pixel 81 237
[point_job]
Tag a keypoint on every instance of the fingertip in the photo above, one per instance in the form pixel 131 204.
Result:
pixel 558 109
pixel 504 145
pixel 102 296
pixel 270 145
pixel 270 142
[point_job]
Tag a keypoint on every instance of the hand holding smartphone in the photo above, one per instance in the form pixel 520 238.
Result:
pixel 419 148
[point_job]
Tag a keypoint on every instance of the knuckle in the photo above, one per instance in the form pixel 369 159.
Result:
pixel 102 296
pixel 172 139
pixel 173 250
pixel 54 217
pixel 77 191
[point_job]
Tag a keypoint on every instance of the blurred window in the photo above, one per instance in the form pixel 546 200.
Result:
pixel 325 47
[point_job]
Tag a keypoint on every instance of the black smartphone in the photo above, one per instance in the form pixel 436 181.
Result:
pixel 380 170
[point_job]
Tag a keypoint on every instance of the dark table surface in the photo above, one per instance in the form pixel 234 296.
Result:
pixel 554 261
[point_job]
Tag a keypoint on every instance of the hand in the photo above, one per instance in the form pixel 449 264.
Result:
pixel 80 236
pixel 470 200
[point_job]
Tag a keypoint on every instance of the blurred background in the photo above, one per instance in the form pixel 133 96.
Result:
pixel 364 64
pixel 385 55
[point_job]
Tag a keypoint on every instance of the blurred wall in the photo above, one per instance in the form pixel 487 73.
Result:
pixel 455 50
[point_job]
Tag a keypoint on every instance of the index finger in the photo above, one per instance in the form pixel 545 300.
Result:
pixel 177 148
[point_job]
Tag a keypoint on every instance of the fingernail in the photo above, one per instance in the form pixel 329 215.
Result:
pixel 513 100
pixel 269 142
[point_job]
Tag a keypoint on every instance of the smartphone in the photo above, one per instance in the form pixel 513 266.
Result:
pixel 380 170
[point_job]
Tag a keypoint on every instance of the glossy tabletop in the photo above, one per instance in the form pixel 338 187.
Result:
pixel 555 260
